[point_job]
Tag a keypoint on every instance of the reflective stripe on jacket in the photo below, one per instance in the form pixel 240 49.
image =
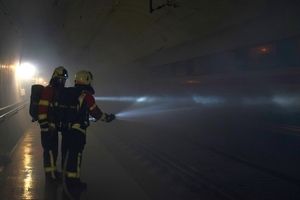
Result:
pixel 90 108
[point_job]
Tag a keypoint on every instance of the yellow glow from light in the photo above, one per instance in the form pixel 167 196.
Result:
pixel 28 169
pixel 40 81
pixel 8 66
pixel 26 71
pixel 13 66
pixel 3 66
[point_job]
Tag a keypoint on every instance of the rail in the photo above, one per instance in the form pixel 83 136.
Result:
pixel 9 106
pixel 20 105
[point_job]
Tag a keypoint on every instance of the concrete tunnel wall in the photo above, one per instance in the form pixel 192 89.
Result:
pixel 272 25
pixel 12 125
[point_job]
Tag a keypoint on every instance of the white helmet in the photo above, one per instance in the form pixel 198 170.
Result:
pixel 83 77
pixel 60 72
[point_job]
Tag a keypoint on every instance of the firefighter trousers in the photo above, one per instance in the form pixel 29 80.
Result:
pixel 49 141
pixel 75 142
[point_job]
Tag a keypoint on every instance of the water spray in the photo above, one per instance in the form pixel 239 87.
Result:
pixel 147 105
pixel 151 106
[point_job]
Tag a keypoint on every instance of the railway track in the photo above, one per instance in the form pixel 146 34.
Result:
pixel 170 169
pixel 177 172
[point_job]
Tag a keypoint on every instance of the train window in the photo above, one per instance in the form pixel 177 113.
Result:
pixel 286 52
pixel 190 69
pixel 297 52
pixel 181 68
pixel 167 71
pixel 242 59
pixel 154 72
pixel 200 65
pixel 222 62
pixel 282 53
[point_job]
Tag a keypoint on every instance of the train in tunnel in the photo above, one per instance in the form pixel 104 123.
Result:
pixel 273 63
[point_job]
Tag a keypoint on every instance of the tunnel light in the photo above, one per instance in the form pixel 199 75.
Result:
pixel 26 71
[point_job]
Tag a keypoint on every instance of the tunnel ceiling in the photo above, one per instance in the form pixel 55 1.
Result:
pixel 115 32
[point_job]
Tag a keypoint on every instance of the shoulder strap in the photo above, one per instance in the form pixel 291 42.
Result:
pixel 81 97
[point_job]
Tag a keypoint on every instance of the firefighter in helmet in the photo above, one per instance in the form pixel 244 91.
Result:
pixel 77 133
pixel 46 119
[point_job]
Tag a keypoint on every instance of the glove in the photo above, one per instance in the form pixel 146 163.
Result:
pixel 110 118
pixel 44 124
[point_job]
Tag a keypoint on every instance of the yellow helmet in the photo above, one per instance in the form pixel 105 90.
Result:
pixel 60 72
pixel 83 77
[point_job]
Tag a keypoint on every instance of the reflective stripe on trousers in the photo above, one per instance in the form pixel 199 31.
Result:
pixel 77 173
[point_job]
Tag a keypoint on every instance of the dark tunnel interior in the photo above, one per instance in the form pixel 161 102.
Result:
pixel 205 93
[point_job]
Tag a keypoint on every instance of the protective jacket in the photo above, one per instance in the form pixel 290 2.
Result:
pixel 88 107
pixel 46 107
pixel 76 137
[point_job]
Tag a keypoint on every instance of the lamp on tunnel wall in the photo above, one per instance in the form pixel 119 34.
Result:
pixel 27 75
pixel 26 71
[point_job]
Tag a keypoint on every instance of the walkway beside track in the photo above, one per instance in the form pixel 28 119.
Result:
pixel 23 177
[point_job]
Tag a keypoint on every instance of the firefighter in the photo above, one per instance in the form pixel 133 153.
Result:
pixel 46 119
pixel 77 133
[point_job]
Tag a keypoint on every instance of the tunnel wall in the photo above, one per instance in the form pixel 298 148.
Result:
pixel 275 24
pixel 11 93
